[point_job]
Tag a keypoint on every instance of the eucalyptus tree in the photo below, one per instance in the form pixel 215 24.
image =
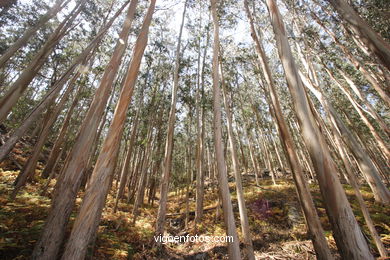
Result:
pixel 233 247
pixel 346 231
pixel 66 189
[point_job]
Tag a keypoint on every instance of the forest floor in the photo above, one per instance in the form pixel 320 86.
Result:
pixel 276 223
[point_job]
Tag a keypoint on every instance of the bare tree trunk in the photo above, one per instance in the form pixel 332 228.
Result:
pixel 357 64
pixel 88 219
pixel 53 92
pixel 126 165
pixel 346 231
pixel 23 40
pixel 371 111
pixel 381 193
pixel 56 150
pixel 372 40
pixel 20 85
pixel 313 222
pixel 139 199
pixel 28 170
pixel 233 247
pixel 359 110
pixel 167 166
pixel 48 245
pixel 237 175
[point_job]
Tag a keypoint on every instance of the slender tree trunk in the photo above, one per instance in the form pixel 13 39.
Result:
pixel 56 150
pixel 89 215
pixel 139 199
pixel 23 40
pixel 20 85
pixel 371 111
pixel 381 193
pixel 126 165
pixel 357 64
pixel 233 247
pixel 372 40
pixel 312 219
pixel 346 231
pixel 237 175
pixel 359 110
pixel 53 92
pixel 28 170
pixel 48 245
pixel 162 210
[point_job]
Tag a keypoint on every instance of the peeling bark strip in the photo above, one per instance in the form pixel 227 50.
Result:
pixel 233 248
pixel 346 231
pixel 313 222
pixel 68 185
pixel 88 219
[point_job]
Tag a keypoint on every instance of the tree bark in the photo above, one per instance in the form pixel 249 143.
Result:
pixel 167 164
pixel 346 231
pixel 23 40
pixel 48 245
pixel 53 92
pixel 233 248
pixel 237 175
pixel 87 221
pixel 16 90
pixel 313 222
pixel 381 193
pixel 372 40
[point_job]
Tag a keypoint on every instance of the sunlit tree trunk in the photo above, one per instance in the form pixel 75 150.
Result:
pixel 237 175
pixel 233 247
pixel 87 221
pixel 346 231
pixel 28 170
pixel 357 64
pixel 372 40
pixel 312 219
pixel 381 193
pixel 126 165
pixel 23 40
pixel 167 167
pixel 48 245
pixel 55 89
pixel 17 89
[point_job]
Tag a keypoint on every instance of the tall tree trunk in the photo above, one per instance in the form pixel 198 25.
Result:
pixel 56 150
pixel 372 40
pixel 313 222
pixel 48 245
pixel 55 89
pixel 199 100
pixel 16 90
pixel 385 150
pixel 126 165
pixel 356 63
pixel 87 221
pixel 23 40
pixel 139 199
pixel 233 247
pixel 371 174
pixel 237 175
pixel 28 170
pixel 346 231
pixel 167 166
